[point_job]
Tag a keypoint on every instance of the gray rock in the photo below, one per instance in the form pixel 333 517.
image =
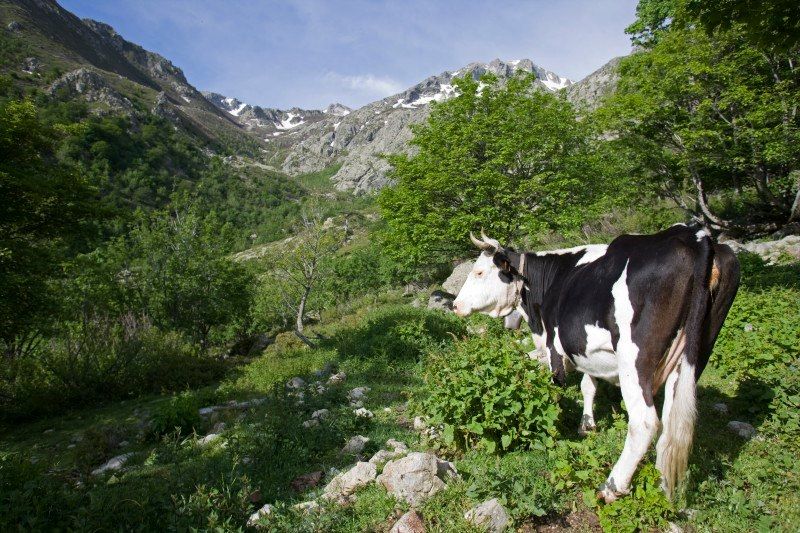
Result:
pixel 345 484
pixel 362 412
pixel 397 445
pixel 306 507
pixel 311 423
pixel 320 414
pixel 490 515
pixel 258 515
pixel 14 26
pixel 113 464
pixel 411 522
pixel 412 478
pixel 337 378
pixel 445 469
pixel 720 408
pixel 419 423
pixel 748 327
pixel 219 427
pixel 441 300
pixel 456 280
pixel 296 383
pixel 209 439
pixel 743 429
pixel 590 91
pixel 355 445
pixel 359 393
pixel 205 411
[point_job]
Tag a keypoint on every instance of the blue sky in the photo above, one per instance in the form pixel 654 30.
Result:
pixel 309 53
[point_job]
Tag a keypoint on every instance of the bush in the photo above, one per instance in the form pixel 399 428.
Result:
pixel 400 333
pixel 180 413
pixel 646 508
pixel 761 334
pixel 101 360
pixel 487 391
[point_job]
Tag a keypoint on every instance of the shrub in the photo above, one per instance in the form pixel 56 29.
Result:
pixel 397 334
pixel 761 334
pixel 646 508
pixel 487 390
pixel 180 413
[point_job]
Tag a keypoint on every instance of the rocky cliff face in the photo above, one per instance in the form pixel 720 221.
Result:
pixel 590 91
pixel 358 139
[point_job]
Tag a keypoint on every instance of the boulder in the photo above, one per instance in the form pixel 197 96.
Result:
pixel 313 422
pixel 209 439
pixel 441 300
pixel 361 412
pixel 359 393
pixel 307 481
pixel 456 280
pixel 419 423
pixel 337 378
pixel 411 522
pixel 355 445
pixel 320 414
pixel 412 478
pixel 296 383
pixel 115 463
pixel 743 429
pixel 489 515
pixel 306 507
pixel 345 484
pixel 258 515
pixel 720 408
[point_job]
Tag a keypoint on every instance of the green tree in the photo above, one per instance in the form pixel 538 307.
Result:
pixel 710 113
pixel 175 269
pixel 506 157
pixel 43 210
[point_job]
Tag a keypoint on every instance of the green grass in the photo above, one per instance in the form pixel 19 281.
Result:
pixel 319 181
pixel 172 483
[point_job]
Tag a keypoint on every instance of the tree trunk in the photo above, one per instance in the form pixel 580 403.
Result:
pixel 301 311
pixel 716 222
pixel 794 214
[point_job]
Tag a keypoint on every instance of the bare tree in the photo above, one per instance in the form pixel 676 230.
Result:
pixel 305 264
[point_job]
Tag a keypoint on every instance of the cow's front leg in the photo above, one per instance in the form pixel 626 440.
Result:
pixel 642 427
pixel 588 388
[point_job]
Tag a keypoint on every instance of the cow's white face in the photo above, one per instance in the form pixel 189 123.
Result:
pixel 484 291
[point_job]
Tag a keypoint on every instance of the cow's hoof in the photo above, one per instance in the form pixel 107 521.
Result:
pixel 607 494
pixel 587 426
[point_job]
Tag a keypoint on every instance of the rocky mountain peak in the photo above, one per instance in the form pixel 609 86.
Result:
pixel 337 109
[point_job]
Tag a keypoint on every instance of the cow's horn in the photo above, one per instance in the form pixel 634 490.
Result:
pixel 492 243
pixel 477 242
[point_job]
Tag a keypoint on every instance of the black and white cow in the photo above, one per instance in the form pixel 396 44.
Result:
pixel 640 312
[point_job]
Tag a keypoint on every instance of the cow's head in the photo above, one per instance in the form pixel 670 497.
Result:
pixel 493 285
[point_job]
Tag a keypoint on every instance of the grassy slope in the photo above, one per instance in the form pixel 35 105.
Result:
pixel 735 485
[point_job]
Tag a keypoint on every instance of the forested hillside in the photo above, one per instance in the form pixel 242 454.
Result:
pixel 198 332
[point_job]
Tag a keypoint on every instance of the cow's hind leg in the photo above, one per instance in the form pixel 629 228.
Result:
pixel 588 389
pixel 642 427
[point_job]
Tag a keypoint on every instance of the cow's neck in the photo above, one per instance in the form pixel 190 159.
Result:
pixel 542 274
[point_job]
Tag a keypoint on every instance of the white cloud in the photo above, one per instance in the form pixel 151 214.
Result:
pixel 379 86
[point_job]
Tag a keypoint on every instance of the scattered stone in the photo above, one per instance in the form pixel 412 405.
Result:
pixel 320 414
pixel 325 370
pixel 359 393
pixel 14 26
pixel 219 427
pixel 357 405
pixel 720 408
pixel 258 515
pixel 48 431
pixel 490 515
pixel 412 478
pixel 743 429
pixel 311 423
pixel 337 378
pixel 31 65
pixel 318 387
pixel 411 522
pixel 672 527
pixel 397 445
pixel 361 412
pixel 124 444
pixel 387 409
pixel 748 327
pixel 296 383
pixel 206 411
pixel 306 507
pixel 70 446
pixel 419 423
pixel 355 445
pixel 307 481
pixel 441 300
pixel 246 460
pixel 209 439
pixel 113 464
pixel 345 484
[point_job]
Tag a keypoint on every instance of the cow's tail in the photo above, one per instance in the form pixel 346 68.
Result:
pixel 675 443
